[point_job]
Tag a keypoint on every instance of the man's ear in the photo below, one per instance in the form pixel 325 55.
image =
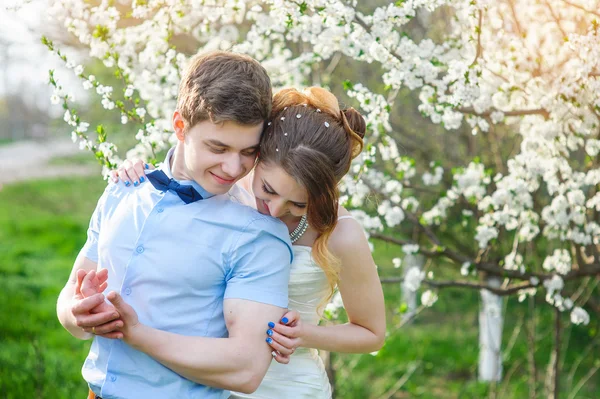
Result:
pixel 179 126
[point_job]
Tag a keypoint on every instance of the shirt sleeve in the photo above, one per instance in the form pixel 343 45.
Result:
pixel 259 266
pixel 90 248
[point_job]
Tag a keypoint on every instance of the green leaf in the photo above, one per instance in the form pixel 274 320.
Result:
pixel 303 7
pixel 101 32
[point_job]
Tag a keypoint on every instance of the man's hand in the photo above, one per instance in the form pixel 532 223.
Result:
pixel 90 310
pixel 96 323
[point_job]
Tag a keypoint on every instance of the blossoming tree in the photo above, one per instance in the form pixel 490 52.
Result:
pixel 521 222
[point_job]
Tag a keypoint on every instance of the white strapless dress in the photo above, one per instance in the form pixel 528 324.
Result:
pixel 304 376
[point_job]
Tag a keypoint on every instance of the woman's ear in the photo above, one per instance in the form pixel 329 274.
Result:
pixel 179 126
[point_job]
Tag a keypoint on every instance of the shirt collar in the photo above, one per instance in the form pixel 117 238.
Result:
pixel 165 166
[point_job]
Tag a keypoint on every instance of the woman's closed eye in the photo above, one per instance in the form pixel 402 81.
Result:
pixel 269 192
pixel 266 190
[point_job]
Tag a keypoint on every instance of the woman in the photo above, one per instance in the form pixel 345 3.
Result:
pixel 305 150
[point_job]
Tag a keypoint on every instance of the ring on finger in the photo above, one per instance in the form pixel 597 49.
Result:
pixel 94 330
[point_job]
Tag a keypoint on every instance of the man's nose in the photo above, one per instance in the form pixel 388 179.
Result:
pixel 233 166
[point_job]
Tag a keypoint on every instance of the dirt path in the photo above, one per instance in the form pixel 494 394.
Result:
pixel 29 160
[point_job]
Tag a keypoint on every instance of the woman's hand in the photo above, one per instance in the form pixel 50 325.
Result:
pixel 129 317
pixel 286 336
pixel 131 172
pixel 92 283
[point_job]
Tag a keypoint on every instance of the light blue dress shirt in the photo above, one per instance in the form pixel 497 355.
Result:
pixel 175 264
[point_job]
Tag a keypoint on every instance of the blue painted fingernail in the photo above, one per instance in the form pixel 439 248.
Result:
pixel 269 332
pixel 135 183
pixel 284 320
pixel 146 166
pixel 269 340
pixel 142 179
pixel 127 184
pixel 271 324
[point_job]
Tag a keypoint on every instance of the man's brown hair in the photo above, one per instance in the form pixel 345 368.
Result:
pixel 223 86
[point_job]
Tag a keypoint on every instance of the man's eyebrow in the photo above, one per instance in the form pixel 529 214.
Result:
pixel 216 142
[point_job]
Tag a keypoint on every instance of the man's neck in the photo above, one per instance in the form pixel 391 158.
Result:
pixel 177 164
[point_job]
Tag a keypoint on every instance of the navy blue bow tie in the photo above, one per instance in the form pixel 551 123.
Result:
pixel 161 182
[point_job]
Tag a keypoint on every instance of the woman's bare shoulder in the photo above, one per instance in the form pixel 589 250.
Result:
pixel 348 234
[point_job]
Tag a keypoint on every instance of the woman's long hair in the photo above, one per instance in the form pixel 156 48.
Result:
pixel 314 141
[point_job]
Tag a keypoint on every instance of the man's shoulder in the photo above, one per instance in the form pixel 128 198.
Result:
pixel 250 219
pixel 254 226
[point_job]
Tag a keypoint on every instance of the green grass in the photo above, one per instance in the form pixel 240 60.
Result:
pixel 43 225
pixel 5 141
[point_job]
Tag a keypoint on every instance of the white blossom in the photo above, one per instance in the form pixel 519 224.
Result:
pixel 428 298
pixel 413 278
pixel 580 316
pixel 410 249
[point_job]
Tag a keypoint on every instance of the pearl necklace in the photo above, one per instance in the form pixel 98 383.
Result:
pixel 299 230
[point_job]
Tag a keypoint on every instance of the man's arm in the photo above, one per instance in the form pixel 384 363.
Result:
pixel 73 309
pixel 237 363
pixel 256 294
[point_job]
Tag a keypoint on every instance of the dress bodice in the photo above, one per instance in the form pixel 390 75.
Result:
pixel 308 285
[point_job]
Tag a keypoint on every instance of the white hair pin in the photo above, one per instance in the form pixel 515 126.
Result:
pixel 326 124
pixel 298 116
pixel 283 118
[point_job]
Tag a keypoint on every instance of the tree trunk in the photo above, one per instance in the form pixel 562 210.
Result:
pixel 409 297
pixel 490 334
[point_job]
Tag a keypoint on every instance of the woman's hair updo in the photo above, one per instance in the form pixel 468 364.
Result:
pixel 314 141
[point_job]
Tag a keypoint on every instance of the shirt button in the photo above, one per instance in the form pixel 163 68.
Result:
pixel 113 378
pixel 127 291
pixel 160 210
pixel 140 249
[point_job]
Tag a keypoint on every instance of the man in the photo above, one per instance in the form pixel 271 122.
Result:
pixel 195 276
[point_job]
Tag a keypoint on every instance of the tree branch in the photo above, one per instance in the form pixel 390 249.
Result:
pixel 490 267
pixel 582 8
pixel 479 50
pixel 465 284
pixel 367 28
pixel 539 111
pixel 556 19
